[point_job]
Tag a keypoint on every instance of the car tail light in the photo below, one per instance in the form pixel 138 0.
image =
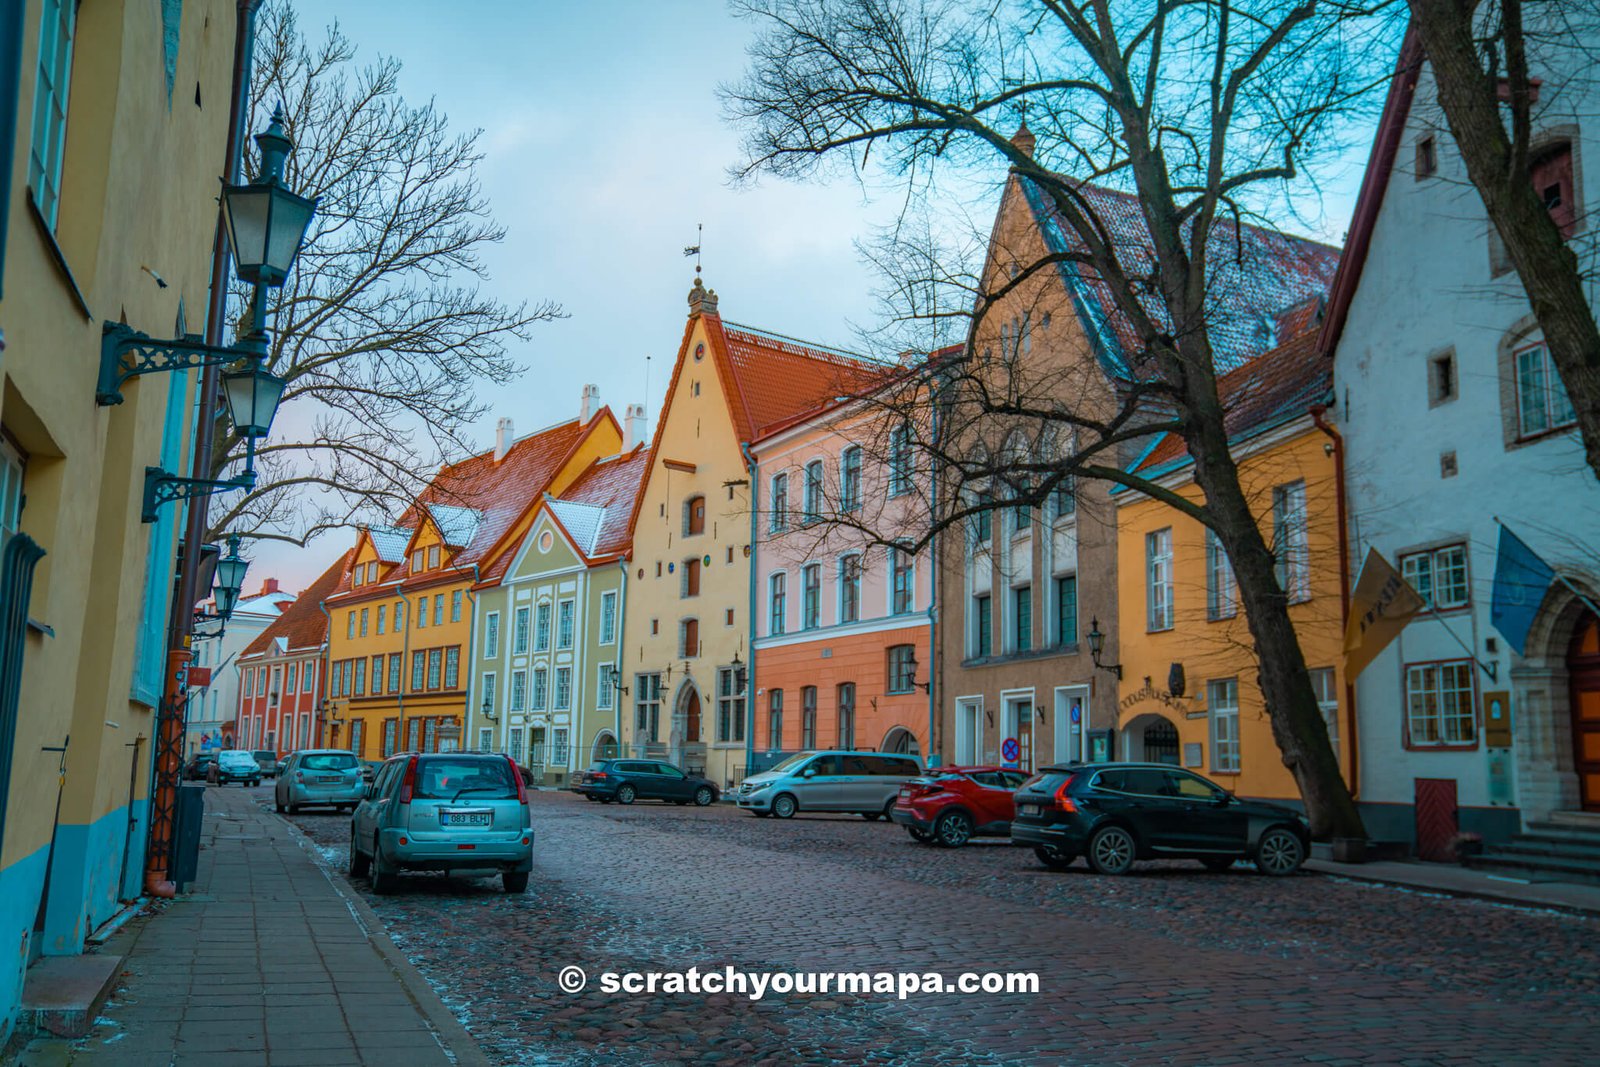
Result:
pixel 299 776
pixel 522 787
pixel 925 790
pixel 409 782
pixel 597 774
pixel 1064 802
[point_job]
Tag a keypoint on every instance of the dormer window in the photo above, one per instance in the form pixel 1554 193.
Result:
pixel 372 571
pixel 358 576
pixel 433 557
pixel 418 558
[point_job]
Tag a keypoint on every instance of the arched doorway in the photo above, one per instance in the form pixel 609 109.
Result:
pixel 1151 738
pixel 605 747
pixel 687 746
pixel 901 741
pixel 1583 674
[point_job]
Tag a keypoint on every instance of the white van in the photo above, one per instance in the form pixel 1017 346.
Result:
pixel 861 783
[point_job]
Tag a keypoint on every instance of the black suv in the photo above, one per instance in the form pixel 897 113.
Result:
pixel 627 780
pixel 1116 813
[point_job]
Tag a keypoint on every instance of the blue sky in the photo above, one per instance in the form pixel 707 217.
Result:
pixel 604 147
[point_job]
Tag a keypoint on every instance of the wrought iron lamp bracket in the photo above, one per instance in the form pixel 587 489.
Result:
pixel 126 353
pixel 161 487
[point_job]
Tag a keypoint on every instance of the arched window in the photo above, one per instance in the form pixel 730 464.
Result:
pixel 694 516
pixel 1016 457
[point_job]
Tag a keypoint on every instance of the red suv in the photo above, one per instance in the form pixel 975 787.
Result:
pixel 954 804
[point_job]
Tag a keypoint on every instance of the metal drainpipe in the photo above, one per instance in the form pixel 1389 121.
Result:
pixel 935 664
pixel 1317 413
pixel 622 609
pixel 316 702
pixel 753 469
pixel 405 666
pixel 466 700
pixel 169 718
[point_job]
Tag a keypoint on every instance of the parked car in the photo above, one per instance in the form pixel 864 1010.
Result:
pixel 863 783
pixel 319 776
pixel 955 804
pixel 195 770
pixel 236 765
pixel 443 812
pixel 283 764
pixel 627 780
pixel 267 760
pixel 1116 813
pixel 370 769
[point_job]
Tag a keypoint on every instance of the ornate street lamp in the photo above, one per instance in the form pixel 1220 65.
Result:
pixel 488 710
pixel 614 676
pixel 266 222
pixel 1097 644
pixel 230 578
pixel 911 669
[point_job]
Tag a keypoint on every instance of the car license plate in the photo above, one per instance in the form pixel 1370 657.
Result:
pixel 464 818
pixel 330 779
pixel 1028 809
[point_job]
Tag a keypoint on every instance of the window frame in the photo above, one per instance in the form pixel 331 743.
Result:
pixel 778 520
pixel 1218 713
pixel 1222 588
pixel 1158 580
pixel 1549 386
pixel 47 167
pixel 1463 666
pixel 850 479
pixel 777 603
pixel 811 596
pixel 811 493
pixel 1410 570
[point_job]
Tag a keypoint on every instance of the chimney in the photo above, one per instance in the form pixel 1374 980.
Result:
pixel 502 439
pixel 633 427
pixel 269 585
pixel 591 403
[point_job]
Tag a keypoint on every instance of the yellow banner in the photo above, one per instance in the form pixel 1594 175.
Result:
pixel 1381 606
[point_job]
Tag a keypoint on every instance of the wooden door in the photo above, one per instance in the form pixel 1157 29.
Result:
pixel 1436 816
pixel 1583 666
pixel 691 716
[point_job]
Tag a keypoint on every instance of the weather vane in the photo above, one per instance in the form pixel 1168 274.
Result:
pixel 694 249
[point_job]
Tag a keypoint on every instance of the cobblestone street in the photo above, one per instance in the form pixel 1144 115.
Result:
pixel 1170 964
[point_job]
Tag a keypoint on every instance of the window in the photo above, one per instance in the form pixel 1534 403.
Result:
pixel 419 666
pixel 491 635
pixel 810 596
pixel 1439 701
pixel 900 460
pixel 435 656
pixel 519 691
pixel 519 633
pixel 1067 610
pixel 847 715
pixel 694 516
pixel 558 746
pixel 515 744
pixel 1022 618
pixel 288 679
pixel 541 628
pixel 563 688
pixel 1427 157
pixel 730 705
pixel 541 688
pixel 1441 378
pixel 689 583
pixel 1323 683
pixel 564 619
pixel 1021 519
pixel 277 684
pixel 394 672
pixel 811 502
pixel 1551 171
pixel 689 638
pixel 850 479
pixel 982 521
pixel 377 675
pixel 438 609
pixel 422 613
pixel 1222 596
pixel 608 618
pixel 774 718
pixel 356 738
pixel 452 667
pixel 430 735
pixel 1223 696
pixel 605 698
pixel 1439 576
pixel 356 576
pixel 419 560
pixel 363 622
pixel 902 668
pixel 1289 542
pixel 808 717
pixel 488 692
pixel 1158 579
pixel 433 557
pixel 982 625
pixel 1542 402
pixel 780 503
pixel 399 616
pixel 1064 498
pixel 350 626
pixel 306 680
pixel 391 737
pixel 647 707
pixel 485 739
pixel 414 735
pixel 372 571
pixel 850 589
pixel 777 600
pixel 57 28
pixel 900 599
pixel 383 614
pixel 455 606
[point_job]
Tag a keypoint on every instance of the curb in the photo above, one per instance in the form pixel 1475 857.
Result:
pixel 453 1037
pixel 1506 899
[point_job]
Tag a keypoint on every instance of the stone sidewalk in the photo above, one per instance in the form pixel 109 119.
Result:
pixel 266 961
pixel 1465 882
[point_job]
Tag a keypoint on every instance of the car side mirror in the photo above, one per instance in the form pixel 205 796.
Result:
pixel 809 772
pixel 1222 800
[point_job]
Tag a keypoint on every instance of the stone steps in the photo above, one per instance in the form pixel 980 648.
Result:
pixel 62 995
pixel 1564 847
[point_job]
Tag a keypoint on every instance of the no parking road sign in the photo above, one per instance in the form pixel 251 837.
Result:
pixel 1010 750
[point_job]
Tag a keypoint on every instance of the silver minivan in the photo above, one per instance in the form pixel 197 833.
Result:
pixel 861 783
pixel 445 811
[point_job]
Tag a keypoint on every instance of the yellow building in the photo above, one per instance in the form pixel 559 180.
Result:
pixel 109 215
pixel 1188 693
pixel 400 636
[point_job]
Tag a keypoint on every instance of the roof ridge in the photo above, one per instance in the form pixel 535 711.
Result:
pixel 808 347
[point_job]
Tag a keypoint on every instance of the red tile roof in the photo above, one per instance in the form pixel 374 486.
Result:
pixel 613 483
pixel 303 626
pixel 776 377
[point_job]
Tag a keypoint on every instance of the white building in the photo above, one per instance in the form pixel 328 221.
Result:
pixel 1454 419
pixel 213 707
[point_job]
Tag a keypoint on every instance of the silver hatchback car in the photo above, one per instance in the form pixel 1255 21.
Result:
pixel 443 812
pixel 865 783
pixel 319 776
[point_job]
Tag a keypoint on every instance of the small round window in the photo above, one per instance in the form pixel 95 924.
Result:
pixel 546 540
pixel 699 351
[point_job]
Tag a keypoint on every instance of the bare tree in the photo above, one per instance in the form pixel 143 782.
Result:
pixel 381 332
pixel 1487 58
pixel 1198 112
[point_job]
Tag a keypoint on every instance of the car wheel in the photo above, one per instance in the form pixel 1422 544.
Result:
pixel 1053 858
pixel 1217 863
pixel 704 796
pixel 384 877
pixel 625 794
pixel 1279 852
pixel 953 829
pixel 919 834
pixel 784 806
pixel 515 882
pixel 1112 850
pixel 360 864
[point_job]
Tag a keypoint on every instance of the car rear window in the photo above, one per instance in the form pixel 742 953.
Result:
pixel 447 777
pixel 328 761
pixel 1046 782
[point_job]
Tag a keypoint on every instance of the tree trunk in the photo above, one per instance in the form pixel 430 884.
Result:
pixel 1548 269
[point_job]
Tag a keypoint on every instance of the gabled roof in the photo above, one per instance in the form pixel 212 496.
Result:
pixel 303 626
pixel 777 377
pixel 389 542
pixel 456 525
pixel 1268 391
pixel 581 521
pixel 1255 276
pixel 611 485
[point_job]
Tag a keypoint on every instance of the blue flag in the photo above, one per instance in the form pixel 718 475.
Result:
pixel 1521 579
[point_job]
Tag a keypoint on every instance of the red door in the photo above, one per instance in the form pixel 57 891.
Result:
pixel 1436 819
pixel 1583 665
